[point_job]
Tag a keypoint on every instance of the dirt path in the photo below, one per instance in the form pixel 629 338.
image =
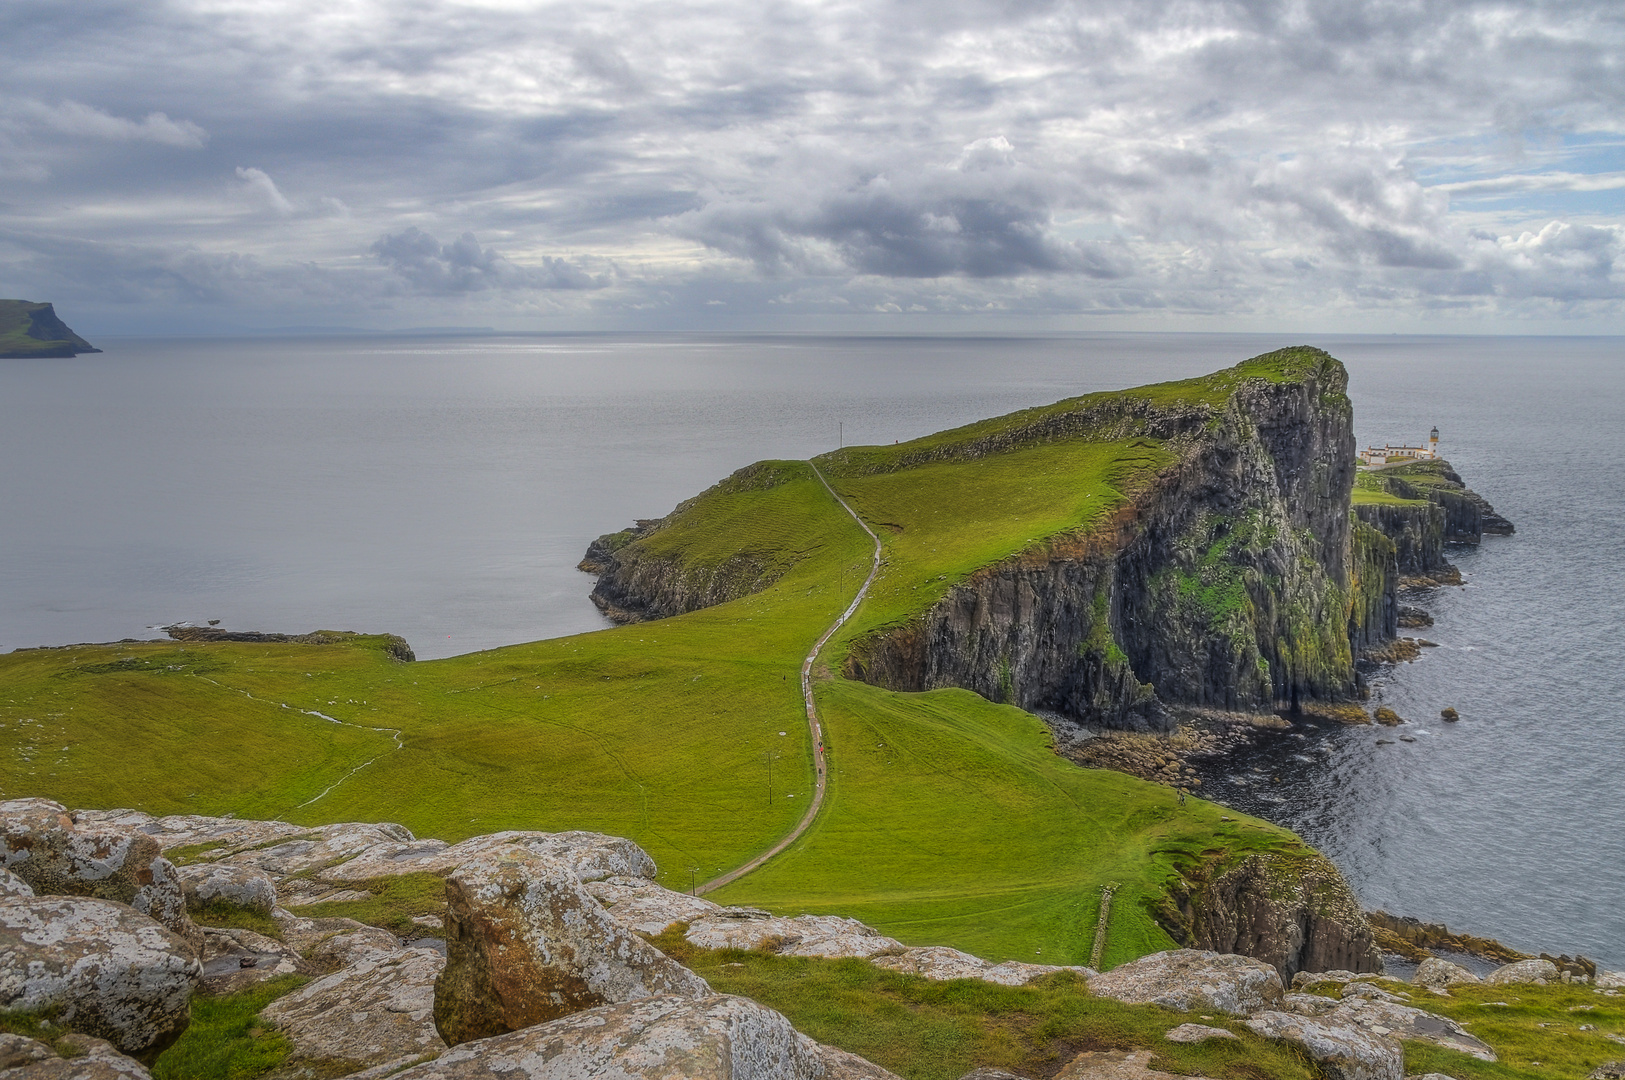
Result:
pixel 813 724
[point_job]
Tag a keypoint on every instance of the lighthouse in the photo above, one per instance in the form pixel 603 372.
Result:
pixel 1433 443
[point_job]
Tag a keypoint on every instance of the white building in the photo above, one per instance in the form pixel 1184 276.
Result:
pixel 1388 454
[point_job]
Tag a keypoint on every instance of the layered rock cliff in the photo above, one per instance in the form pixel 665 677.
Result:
pixel 1421 507
pixel 1228 581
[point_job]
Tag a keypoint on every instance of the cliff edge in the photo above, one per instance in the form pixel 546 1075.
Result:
pixel 29 329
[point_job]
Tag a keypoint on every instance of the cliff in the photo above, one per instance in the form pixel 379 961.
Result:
pixel 29 329
pixel 1225 581
pixel 1421 507
pixel 1227 573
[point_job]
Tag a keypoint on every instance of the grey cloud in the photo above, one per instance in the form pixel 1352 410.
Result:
pixel 463 266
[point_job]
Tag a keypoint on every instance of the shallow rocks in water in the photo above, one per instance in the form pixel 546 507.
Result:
pixel 1403 1022
pixel 1190 1033
pixel 1450 715
pixel 1414 618
pixel 1438 972
pixel 41 844
pixel 1386 717
pixel 1114 1065
pixel 829 936
pixel 715 1037
pixel 1538 972
pixel 378 1010
pixel 1343 1052
pixel 93 1059
pixel 942 964
pixel 1193 980
pixel 527 944
pixel 110 971
pixel 235 886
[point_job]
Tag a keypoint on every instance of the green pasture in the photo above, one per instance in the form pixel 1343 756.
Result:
pixel 949 819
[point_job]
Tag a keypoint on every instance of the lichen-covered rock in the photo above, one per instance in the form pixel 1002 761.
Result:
pixel 829 936
pixel 12 885
pixel 1308 1004
pixel 1193 980
pixel 1190 1033
pixel 590 856
pixel 1538 972
pixel 92 1059
pixel 840 1065
pixel 1609 980
pixel 40 844
pixel 942 964
pixel 1363 989
pixel 1403 1022
pixel 714 1037
pixel 1343 1052
pixel 223 883
pixel 111 971
pixel 379 1009
pixel 1437 972
pixel 641 905
pixel 1114 1065
pixel 526 944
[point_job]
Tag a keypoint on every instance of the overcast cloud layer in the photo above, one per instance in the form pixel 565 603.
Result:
pixel 212 164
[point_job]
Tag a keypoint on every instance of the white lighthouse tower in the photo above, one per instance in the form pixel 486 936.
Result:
pixel 1433 443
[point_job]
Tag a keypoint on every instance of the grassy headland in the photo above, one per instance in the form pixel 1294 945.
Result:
pixel 949 820
pixel 28 329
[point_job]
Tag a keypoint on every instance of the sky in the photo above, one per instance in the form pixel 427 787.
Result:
pixel 210 166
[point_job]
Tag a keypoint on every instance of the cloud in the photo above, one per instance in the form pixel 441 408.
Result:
pixel 264 188
pixel 463 266
pixel 75 118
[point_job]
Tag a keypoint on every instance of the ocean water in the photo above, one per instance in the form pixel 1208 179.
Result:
pixel 444 488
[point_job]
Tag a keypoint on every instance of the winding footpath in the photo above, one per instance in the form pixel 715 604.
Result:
pixel 813 724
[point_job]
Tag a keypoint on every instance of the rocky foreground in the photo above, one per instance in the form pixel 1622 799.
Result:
pixel 544 970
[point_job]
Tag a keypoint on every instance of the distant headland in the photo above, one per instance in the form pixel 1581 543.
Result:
pixel 29 329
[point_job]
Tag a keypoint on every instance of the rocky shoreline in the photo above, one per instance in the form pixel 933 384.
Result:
pixel 544 968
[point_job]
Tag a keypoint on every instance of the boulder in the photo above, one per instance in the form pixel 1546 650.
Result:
pixel 223 883
pixel 990 1073
pixel 1309 978
pixel 829 936
pixel 12 885
pixel 1403 1022
pixel 40 844
pixel 1308 1004
pixel 526 944
pixel 1609 980
pixel 1342 1051
pixel 1538 972
pixel 1370 991
pixel 714 1037
pixel 1193 980
pixel 376 1011
pixel 92 1059
pixel 110 971
pixel 644 907
pixel 1439 973
pixel 1190 1033
pixel 1114 1065
pixel 940 963
pixel 840 1065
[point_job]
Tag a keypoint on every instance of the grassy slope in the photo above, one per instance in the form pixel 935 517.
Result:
pixel 949 821
pixel 15 319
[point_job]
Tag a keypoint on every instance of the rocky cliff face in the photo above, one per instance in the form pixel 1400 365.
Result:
pixel 1416 530
pixel 1225 583
pixel 1291 910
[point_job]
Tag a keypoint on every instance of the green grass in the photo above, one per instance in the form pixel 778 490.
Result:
pixel 949 819
pixel 394 902
pixel 1370 488
pixel 227 1040
pixel 926 1030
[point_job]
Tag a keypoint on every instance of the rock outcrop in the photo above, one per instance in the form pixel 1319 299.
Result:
pixel 526 944
pixel 1293 911
pixel 106 969
pixel 1435 972
pixel 1193 980
pixel 89 1059
pixel 942 964
pixel 1539 972
pixel 41 844
pixel 1342 1052
pixel 232 886
pixel 714 1037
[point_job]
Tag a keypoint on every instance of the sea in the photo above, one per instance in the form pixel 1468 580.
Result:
pixel 444 488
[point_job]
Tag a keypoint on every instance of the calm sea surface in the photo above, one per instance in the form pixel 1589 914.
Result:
pixel 444 489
